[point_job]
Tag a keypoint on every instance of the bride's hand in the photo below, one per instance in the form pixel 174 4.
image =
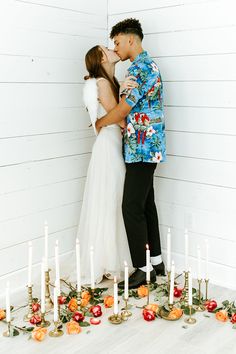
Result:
pixel 128 83
pixel 122 124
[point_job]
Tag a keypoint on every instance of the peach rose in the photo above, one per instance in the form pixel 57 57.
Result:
pixel 39 333
pixel 175 313
pixel 142 291
pixel 108 301
pixel 85 297
pixel 152 307
pixel 72 305
pixel 2 314
pixel 222 315
pixel 73 327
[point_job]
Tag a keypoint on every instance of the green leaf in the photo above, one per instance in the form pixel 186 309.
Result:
pixel 234 326
pixel 29 329
pixel 187 312
pixel 84 324
pixel 225 303
pixel 88 314
pixel 14 332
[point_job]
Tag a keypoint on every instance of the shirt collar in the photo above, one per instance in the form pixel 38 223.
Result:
pixel 140 56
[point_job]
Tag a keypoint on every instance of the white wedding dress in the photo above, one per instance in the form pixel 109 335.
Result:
pixel 101 222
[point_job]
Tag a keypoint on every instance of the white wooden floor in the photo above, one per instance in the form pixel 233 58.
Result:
pixel 207 336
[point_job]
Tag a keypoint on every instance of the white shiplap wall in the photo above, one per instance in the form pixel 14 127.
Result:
pixel 194 44
pixel 45 142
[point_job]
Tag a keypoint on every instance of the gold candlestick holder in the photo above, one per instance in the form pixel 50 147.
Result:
pixel 43 323
pixel 199 307
pixel 59 311
pixel 125 313
pixel 79 293
pixel 148 293
pixel 190 319
pixel 115 318
pixel 186 287
pixel 56 332
pixel 92 293
pixel 168 282
pixel 7 333
pixel 30 302
pixel 48 300
pixel 207 284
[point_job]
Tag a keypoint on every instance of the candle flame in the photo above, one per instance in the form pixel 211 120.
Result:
pixel 115 280
pixel 126 264
pixel 147 246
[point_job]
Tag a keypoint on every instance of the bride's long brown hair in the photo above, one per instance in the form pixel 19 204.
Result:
pixel 95 69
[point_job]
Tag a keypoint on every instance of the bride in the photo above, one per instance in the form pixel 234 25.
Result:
pixel 101 223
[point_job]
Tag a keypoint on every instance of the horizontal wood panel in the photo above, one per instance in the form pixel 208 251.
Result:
pixel 26 149
pixel 217 173
pixel 35 174
pixel 195 195
pixel 187 17
pixel 26 202
pixel 203 146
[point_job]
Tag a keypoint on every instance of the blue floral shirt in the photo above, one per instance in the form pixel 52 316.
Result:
pixel 144 136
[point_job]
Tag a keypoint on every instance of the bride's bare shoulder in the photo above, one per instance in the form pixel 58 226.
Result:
pixel 105 94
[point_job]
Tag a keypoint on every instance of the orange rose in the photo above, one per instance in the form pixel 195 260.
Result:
pixel 142 291
pixel 152 307
pixel 73 327
pixel 222 315
pixel 85 297
pixel 108 301
pixel 175 313
pixel 72 305
pixel 39 333
pixel 2 314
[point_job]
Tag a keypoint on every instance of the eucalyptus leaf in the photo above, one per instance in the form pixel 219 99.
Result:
pixel 84 324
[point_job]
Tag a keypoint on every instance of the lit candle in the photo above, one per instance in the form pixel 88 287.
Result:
pixel 186 249
pixel 148 263
pixel 46 244
pixel 115 297
pixel 126 281
pixel 92 268
pixel 57 267
pixel 55 301
pixel 190 288
pixel 43 286
pixel 8 310
pixel 29 264
pixel 77 247
pixel 168 250
pixel 199 276
pixel 172 282
pixel 207 259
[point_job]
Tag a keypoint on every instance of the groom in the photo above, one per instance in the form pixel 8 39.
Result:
pixel 144 148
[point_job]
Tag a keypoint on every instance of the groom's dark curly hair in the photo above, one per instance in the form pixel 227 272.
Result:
pixel 130 25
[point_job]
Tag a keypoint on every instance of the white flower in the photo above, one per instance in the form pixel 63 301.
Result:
pixel 154 66
pixel 157 158
pixel 150 131
pixel 130 129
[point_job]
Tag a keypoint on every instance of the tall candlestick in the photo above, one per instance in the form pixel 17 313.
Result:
pixel 190 282
pixel 8 310
pixel 43 286
pixel 46 244
pixel 57 267
pixel 172 281
pixel 55 301
pixel 148 263
pixel 168 250
pixel 207 259
pixel 29 264
pixel 116 310
pixel 92 268
pixel 199 275
pixel 77 247
pixel 126 281
pixel 186 249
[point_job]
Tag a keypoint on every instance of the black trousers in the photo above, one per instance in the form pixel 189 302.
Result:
pixel 139 212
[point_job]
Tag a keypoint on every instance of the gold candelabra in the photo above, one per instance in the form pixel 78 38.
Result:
pixel 148 291
pixel 125 313
pixel 190 319
pixel 199 307
pixel 48 300
pixel 44 323
pixel 7 333
pixel 57 331
pixel 207 284
pixel 115 318
pixel 186 287
pixel 30 302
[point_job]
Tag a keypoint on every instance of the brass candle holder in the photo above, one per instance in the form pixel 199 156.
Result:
pixel 148 291
pixel 59 311
pixel 48 300
pixel 92 293
pixel 43 323
pixel 199 307
pixel 7 333
pixel 125 313
pixel 30 302
pixel 57 331
pixel 168 282
pixel 207 283
pixel 190 319
pixel 186 287
pixel 115 318
pixel 79 294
